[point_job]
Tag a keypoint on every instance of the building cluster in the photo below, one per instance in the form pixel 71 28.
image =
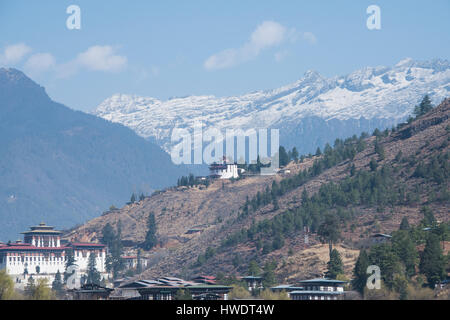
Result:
pixel 224 170
pixel 167 288
pixel 42 254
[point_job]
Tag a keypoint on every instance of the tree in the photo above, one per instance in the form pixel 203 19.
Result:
pixel 295 154
pixel 112 239
pixel 30 287
pixel 432 262
pixel 329 231
pixel 284 158
pixel 428 217
pixel 268 294
pixel 6 286
pixel 108 235
pixel 41 291
pixel 373 164
pixel 269 274
pixel 183 295
pixel 404 225
pixel 360 272
pixel 254 269
pixel 405 249
pixel 150 238
pixel 93 276
pixel 239 292
pixel 424 107
pixel 133 198
pixel 70 261
pixel 335 266
pixel 318 152
pixel 57 284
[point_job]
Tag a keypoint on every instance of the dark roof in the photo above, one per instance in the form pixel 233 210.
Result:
pixel 325 293
pixel 322 281
pixel 252 278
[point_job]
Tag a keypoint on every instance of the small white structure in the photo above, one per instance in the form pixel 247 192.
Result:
pixel 224 170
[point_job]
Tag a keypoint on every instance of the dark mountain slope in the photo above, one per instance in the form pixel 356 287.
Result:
pixel 65 166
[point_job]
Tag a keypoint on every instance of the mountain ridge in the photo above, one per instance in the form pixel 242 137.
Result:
pixel 360 101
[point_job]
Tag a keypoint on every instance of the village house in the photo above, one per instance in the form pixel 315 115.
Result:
pixel 253 282
pixel 319 289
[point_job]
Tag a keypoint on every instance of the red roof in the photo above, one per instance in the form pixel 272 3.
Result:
pixel 86 244
pixel 28 248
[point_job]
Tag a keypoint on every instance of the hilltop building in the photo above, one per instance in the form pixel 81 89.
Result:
pixel 42 255
pixel 224 170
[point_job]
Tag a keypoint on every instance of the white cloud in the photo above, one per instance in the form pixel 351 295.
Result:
pixel 266 35
pixel 95 58
pixel 39 62
pixel 14 53
pixel 101 58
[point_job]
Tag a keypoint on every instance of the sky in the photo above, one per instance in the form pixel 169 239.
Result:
pixel 166 49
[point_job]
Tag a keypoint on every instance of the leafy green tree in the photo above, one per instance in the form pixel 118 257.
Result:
pixel 360 272
pixel 6 286
pixel 335 265
pixel 183 294
pixel 150 237
pixel 432 262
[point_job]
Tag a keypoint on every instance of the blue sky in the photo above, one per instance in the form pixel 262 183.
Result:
pixel 177 48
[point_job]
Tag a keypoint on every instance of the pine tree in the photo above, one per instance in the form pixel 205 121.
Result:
pixel 360 272
pixel 295 154
pixel 329 231
pixel 424 107
pixel 253 269
pixel 70 261
pixel 405 249
pixel 283 156
pixel 57 284
pixel 93 276
pixel 318 152
pixel 133 198
pixel 150 238
pixel 432 263
pixel 335 265
pixel 404 225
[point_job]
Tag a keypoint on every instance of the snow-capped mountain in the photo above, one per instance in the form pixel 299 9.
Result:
pixel 310 112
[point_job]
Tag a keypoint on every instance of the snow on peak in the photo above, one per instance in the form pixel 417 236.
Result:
pixel 370 93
